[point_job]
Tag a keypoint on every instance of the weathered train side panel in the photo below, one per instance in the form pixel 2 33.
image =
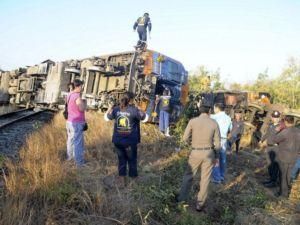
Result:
pixel 4 86
pixel 56 83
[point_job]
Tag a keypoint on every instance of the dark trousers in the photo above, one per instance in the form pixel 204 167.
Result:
pixel 127 154
pixel 236 141
pixel 273 170
pixel 142 34
pixel 285 177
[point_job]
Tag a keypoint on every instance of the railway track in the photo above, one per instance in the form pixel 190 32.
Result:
pixel 17 125
pixel 16 116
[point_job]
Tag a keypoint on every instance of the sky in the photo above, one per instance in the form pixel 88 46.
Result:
pixel 241 38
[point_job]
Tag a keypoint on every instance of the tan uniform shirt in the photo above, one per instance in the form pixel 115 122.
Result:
pixel 204 131
pixel 288 141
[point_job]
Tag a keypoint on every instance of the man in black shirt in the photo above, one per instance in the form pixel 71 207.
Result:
pixel 237 131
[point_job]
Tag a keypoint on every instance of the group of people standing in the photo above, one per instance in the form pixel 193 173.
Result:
pixel 283 153
pixel 211 137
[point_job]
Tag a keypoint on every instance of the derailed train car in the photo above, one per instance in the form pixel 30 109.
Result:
pixel 105 78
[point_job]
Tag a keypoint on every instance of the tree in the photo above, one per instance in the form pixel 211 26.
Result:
pixel 204 80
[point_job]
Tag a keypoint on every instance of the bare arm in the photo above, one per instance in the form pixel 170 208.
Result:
pixel 81 104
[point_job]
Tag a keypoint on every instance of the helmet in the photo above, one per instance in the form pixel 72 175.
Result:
pixel 146 14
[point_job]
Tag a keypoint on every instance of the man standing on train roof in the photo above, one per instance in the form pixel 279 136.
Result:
pixel 141 25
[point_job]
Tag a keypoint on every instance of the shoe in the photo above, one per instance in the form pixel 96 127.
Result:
pixel 199 207
pixel 216 181
pixel 277 194
pixel 270 184
pixel 267 182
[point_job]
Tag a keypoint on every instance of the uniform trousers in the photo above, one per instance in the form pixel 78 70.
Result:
pixel 285 177
pixel 198 159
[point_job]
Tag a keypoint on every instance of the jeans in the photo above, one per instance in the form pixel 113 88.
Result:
pixel 127 154
pixel 75 142
pixel 142 33
pixel 295 170
pixel 218 173
pixel 163 120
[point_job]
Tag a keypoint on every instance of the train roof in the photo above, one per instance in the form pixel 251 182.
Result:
pixel 131 52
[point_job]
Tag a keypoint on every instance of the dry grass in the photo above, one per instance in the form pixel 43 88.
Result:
pixel 42 188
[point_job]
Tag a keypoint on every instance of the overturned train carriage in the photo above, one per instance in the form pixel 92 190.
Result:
pixel 105 78
pixel 146 74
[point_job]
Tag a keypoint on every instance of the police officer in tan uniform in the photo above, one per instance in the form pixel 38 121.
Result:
pixel 205 135
pixel 288 148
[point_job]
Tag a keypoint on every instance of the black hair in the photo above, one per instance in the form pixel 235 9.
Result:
pixel 289 119
pixel 130 95
pixel 124 101
pixel 204 109
pixel 220 106
pixel 77 83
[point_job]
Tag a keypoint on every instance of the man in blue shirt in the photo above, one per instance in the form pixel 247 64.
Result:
pixel 141 25
pixel 225 125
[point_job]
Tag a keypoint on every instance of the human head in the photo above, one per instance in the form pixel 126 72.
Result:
pixel 166 92
pixel 204 109
pixel 131 96
pixel 275 117
pixel 238 115
pixel 219 107
pixel 77 85
pixel 124 101
pixel 146 14
pixel 289 121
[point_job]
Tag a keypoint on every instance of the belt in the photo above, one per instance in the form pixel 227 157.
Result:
pixel 224 138
pixel 200 149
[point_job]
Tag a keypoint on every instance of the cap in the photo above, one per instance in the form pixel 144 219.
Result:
pixel 275 114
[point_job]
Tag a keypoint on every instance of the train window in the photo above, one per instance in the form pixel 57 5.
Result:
pixel 172 67
pixel 90 82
